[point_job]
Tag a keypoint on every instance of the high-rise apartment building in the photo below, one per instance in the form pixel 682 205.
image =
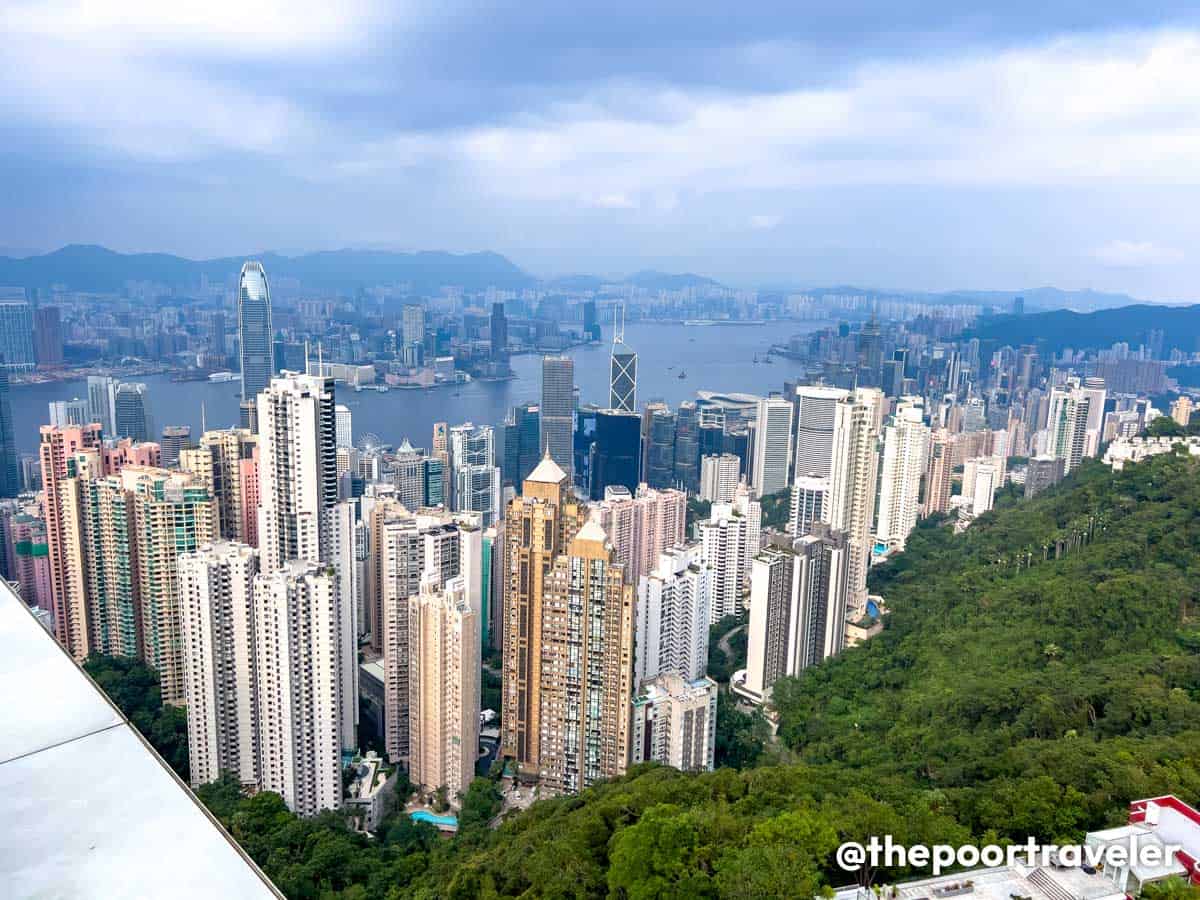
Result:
pixel 674 609
pixel 675 723
pixel 443 687
pixel 852 483
pixel 905 453
pixel 641 526
pixel 299 666
pixel 57 453
pixel 810 504
pixel 299 513
pixel 719 474
pixel 798 606
pixel 217 629
pixel 538 526
pixel 173 513
pixel 730 538
pixel 558 410
pixel 1075 421
pixel 226 460
pixel 939 470
pixel 1042 472
pixel 175 439
pixel 587 675
pixel 982 477
pixel 405 549
pixel 1182 409
pixel 772 446
pixel 256 351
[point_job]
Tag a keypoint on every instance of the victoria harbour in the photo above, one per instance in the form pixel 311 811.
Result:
pixel 710 357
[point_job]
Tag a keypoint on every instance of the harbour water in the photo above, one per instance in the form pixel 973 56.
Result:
pixel 713 357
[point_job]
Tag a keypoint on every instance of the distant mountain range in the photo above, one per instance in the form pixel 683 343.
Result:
pixel 91 268
pixel 1056 329
pixel 1042 298
pixel 87 267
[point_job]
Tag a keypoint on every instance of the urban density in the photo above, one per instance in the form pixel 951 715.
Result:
pixel 724 512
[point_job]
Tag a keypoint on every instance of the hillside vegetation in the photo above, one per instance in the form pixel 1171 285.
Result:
pixel 1036 674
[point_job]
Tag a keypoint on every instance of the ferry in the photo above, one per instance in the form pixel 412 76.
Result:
pixel 222 377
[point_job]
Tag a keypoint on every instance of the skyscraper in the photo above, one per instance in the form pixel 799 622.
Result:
pixel 815 408
pixel 16 336
pixel 659 470
pixel 719 477
pixel 299 514
pixel 226 460
pixel 558 410
pixel 772 446
pixel 538 527
pixel 616 451
pixel 48 337
pixel 403 549
pixel 797 608
pixel 299 668
pixel 1075 420
pixel 852 483
pixel 938 472
pixel 499 334
pixel 131 412
pixel 810 504
pixel 57 452
pixel 622 372
pixel 522 443
pixel 674 723
pixel 175 438
pixel 443 687
pixel 102 402
pixel 474 475
pixel 905 449
pixel 730 539
pixel 674 609
pixel 641 526
pixel 687 448
pixel 10 473
pixel 586 686
pixel 255 335
pixel 69 412
pixel 343 426
pixel 216 598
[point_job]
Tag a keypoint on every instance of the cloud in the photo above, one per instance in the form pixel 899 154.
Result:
pixel 1136 254
pixel 764 222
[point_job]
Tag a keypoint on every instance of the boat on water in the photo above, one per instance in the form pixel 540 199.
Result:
pixel 222 377
pixel 682 375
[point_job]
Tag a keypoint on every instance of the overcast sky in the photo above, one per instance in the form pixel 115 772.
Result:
pixel 950 146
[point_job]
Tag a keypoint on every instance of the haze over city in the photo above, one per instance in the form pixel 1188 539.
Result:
pixel 951 146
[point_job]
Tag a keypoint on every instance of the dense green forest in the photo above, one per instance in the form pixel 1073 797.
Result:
pixel 1036 673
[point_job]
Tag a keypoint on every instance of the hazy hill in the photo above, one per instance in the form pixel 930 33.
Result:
pixel 1062 328
pixel 92 268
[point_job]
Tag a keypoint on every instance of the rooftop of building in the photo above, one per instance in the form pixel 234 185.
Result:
pixel 1000 883
pixel 89 809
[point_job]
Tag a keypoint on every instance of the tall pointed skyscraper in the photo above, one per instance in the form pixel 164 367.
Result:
pixel 254 331
pixel 623 371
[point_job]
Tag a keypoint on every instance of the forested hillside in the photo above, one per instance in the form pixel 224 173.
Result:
pixel 1036 674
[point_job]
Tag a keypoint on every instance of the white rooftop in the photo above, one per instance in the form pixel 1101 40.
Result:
pixel 87 809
